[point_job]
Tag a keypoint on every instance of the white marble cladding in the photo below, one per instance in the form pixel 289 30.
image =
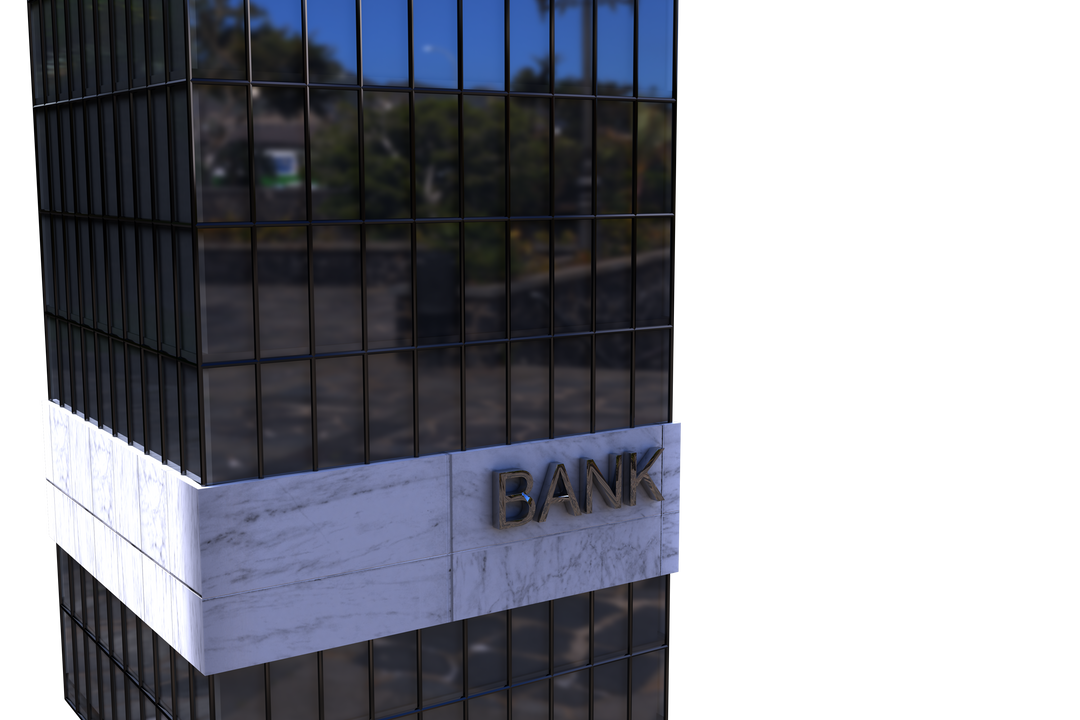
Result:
pixel 249 572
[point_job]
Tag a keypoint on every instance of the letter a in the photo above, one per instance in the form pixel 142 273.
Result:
pixel 557 489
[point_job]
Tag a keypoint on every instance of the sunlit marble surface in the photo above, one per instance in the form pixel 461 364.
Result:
pixel 669 544
pixel 243 629
pixel 290 528
pixel 473 484
pixel 530 571
pixel 671 471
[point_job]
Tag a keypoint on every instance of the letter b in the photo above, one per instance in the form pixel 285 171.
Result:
pixel 522 493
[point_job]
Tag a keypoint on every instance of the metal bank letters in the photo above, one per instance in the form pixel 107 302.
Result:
pixel 514 487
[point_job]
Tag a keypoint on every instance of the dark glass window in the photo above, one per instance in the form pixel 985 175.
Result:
pixel 36 64
pixel 52 357
pixel 230 432
pixel 438 283
pixel 86 270
pixel 572 296
pixel 131 283
pixel 41 135
pixel 240 694
pixel 650 613
pixel 177 60
pixel 485 395
pixel 283 291
pixel 82 193
pixel 217 39
pixel 389 286
pixel 170 391
pixel 573 47
pixel 442 660
pixel 277 45
pixel 90 346
pixel 185 270
pixel 614 156
pixel 484 44
pixel 345 682
pixel 53 117
pixel 228 330
pixel 181 160
pixel 613 276
pixel 93 131
pixel 530 124
pixel 530 702
pixel 136 396
pixel 74 35
pixel 653 267
pixel 294 688
pixel 445 712
pixel 153 404
pixel 612 381
pixel 571 639
pixel 162 173
pixel 530 63
pixel 488 707
pixel 79 398
pixel 656 21
pixel 390 384
pixel 615 48
pixel 439 384
pixel 156 11
pixel 120 34
pixel 67 158
pixel 221 153
pixel 530 278
pixel 485 155
pixel 572 695
pixel 530 367
pixel 654 158
pixel 189 387
pixel 530 629
pixel 335 155
pixel 109 159
pixel 338 277
pixel 387 156
pixel 436 155
pixel 122 389
pixel 116 279
pixel 331 27
pixel 385 44
pixel 51 55
pixel 485 281
pixel 137 30
pixel 610 690
pixel 280 165
pixel 487 652
pixel 395 673
pixel 652 376
pixel 340 401
pixel 611 622
pixel 286 417
pixel 90 51
pixel 573 157
pixel 105 382
pixel 647 686
pixel 167 285
pixel 47 263
pixel 435 33
pixel 148 281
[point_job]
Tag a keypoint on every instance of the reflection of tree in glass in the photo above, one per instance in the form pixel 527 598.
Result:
pixel 485 156
pixel 654 158
pixel 335 155
pixel 436 156
pixel 386 154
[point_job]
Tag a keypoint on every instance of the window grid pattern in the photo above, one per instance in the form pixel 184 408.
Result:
pixel 596 655
pixel 499 229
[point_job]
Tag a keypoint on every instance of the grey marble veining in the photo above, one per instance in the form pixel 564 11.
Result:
pixel 669 544
pixel 153 517
pixel 107 551
pixel 85 552
pixel 80 485
pixel 189 626
pixel 286 529
pixel 159 600
pixel 512 575
pixel 473 484
pixel 130 579
pixel 126 514
pixel 65 521
pixel 61 447
pixel 101 476
pixel 279 622
pixel 182 505
pixel 672 461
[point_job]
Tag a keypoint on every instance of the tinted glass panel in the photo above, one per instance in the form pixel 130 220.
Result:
pixel 338 273
pixel 488 707
pixel 613 277
pixel 217 39
pixel 41 142
pixel 438 283
pixel 53 117
pixel 615 48
pixel 345 682
pixel 530 702
pixel 390 381
pixel 653 264
pixel 93 137
pixel 654 158
pixel 90 51
pixel 529 47
pixel 185 270
pixel 573 275
pixel 655 47
pixel 572 696
pixel 436 156
pixel 227 305
pixel 51 59
pixel 385 44
pixel 487 652
pixel 280 167
pixel 443 661
pixel 177 56
pixel 90 350
pixel 189 387
pixel 435 33
pixel 610 619
pixel 573 47
pixel 335 155
pixel 116 278
pixel 136 396
pixel 74 37
pixel 104 43
pixel 294 687
pixel 167 285
pixel 614 156
pixel 331 26
pixel 171 400
pixel 395 673
pixel 386 155
pixel 650 613
pixel 36 63
pixel 529 143
pixel 530 627
pixel 652 376
pixel 485 281
pixel 571 639
pixel 240 694
pixel 137 28
pixel 340 400
pixel 67 158
pixel 573 157
pixel 439 378
pixel 612 381
pixel 647 686
pixel 82 193
pixel 529 397
pixel 120 35
pixel 109 159
pixel 162 171
pixel 446 712
pixel 389 286
pixel 485 395
pixel 485 156
pixel 231 442
pixel 148 280
pixel 609 691
pixel 152 379
pixel 283 291
pixel 131 283
pixel 156 10
pixel 221 153
pixel 121 387
pixel 286 417
pixel 530 279
pixel 142 148
pixel 277 48
pixel 484 44
pixel 181 180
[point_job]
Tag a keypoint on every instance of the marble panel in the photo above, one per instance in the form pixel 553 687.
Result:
pixel 472 484
pixel 189 627
pixel 46 436
pixel 125 474
pixel 671 460
pixel 288 620
pixel 159 599
pixel 130 580
pixel 278 530
pixel 669 544
pixel 101 476
pixel 85 552
pixel 65 520
pixel 531 571
pixel 107 551
pixel 50 511
pixel 153 517
pixel 80 487
pixel 182 508
pixel 61 447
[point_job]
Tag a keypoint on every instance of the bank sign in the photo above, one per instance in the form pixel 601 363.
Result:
pixel 515 503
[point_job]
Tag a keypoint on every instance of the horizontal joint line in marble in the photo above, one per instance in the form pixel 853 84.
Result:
pixel 327 577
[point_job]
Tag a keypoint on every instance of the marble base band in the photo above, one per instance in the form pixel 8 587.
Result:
pixel 258 570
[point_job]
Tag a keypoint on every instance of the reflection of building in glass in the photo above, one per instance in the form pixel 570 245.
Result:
pixel 358 255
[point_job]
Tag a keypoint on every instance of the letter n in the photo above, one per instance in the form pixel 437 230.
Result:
pixel 591 475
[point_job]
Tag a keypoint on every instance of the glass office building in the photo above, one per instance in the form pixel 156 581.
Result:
pixel 342 300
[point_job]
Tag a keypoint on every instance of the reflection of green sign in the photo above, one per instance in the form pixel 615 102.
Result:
pixel 515 488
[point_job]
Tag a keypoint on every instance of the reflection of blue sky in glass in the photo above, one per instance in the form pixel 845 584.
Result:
pixel 385 42
pixel 332 24
pixel 615 47
pixel 528 45
pixel 435 43
pixel 484 47
pixel 282 15
pixel 655 47
pixel 573 44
